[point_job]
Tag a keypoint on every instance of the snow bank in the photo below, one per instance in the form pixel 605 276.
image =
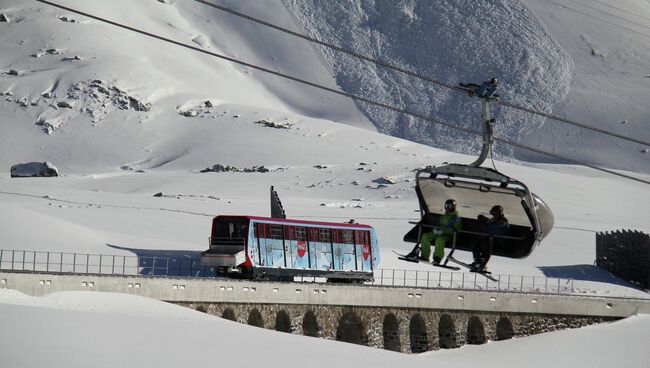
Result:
pixel 78 329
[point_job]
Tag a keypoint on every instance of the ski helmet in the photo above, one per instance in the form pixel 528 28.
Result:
pixel 496 211
pixel 450 205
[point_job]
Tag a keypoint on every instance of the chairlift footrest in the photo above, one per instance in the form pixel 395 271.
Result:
pixel 487 274
pixel 406 258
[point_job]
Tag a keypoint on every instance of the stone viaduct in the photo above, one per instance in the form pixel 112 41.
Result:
pixel 409 320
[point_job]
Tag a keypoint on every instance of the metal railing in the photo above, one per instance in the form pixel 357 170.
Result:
pixel 120 265
pixel 103 264
pixel 473 281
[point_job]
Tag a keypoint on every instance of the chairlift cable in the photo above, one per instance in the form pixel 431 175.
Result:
pixel 571 122
pixel 417 75
pixel 349 95
pixel 569 160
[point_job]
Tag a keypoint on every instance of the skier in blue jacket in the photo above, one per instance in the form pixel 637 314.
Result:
pixel 495 226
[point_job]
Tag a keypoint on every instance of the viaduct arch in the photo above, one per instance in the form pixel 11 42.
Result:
pixel 397 329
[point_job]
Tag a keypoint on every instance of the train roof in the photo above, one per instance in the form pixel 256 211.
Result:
pixel 302 222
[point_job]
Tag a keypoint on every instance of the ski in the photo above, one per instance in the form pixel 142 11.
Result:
pixel 487 274
pixel 406 258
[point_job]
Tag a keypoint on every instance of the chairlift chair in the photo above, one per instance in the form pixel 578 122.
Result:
pixel 476 189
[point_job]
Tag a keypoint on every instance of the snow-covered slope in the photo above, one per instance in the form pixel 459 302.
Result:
pixel 72 78
pixel 581 60
pixel 609 45
pixel 452 41
pixel 124 117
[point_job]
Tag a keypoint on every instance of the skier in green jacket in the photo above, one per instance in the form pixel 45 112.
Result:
pixel 450 221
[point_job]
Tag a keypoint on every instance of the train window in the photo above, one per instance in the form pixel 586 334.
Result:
pixel 348 236
pixel 313 234
pixel 299 233
pixel 362 237
pixel 262 230
pixel 324 235
pixel 233 229
pixel 276 232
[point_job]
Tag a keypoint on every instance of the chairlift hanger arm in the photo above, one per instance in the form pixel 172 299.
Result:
pixel 487 92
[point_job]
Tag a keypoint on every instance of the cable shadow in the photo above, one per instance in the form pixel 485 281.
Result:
pixel 584 272
pixel 163 262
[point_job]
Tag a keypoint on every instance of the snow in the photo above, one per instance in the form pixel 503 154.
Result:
pixel 125 118
pixel 608 42
pixel 451 41
pixel 108 330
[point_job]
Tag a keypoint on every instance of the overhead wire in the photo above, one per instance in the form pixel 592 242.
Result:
pixel 331 90
pixel 389 65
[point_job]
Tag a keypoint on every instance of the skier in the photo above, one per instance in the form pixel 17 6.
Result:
pixel 497 225
pixel 447 224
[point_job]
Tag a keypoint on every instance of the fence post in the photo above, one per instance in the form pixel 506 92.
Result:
pixel 167 271
pixel 428 278
pixel 74 263
pixel 100 264
pixel 382 277
pixel 153 266
pixel 87 261
pixel 558 286
pixel 508 283
pixel 113 266
pixel 393 278
pixel 13 255
pixel 533 283
pixel 1 251
pixel 404 283
pixel 571 286
pixel 47 263
pixel 123 265
pixel 521 286
pixel 23 260
pixel 34 262
pixel 451 280
pixel 416 278
pixel 61 264
pixel 546 285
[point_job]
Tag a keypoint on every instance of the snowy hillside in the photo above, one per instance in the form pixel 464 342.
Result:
pixel 71 78
pixel 609 44
pixel 583 61
pixel 452 41
pixel 125 117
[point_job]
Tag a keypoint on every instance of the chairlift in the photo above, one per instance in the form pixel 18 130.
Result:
pixel 476 189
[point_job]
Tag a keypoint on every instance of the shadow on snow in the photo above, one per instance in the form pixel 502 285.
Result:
pixel 164 262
